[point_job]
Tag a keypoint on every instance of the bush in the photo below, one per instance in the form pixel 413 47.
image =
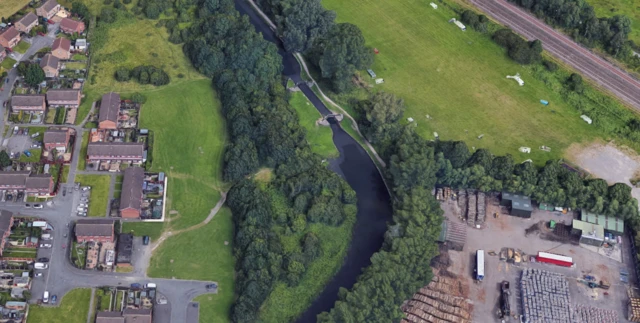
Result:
pixel 144 74
pixel 138 98
pixel 550 66
pixel 123 74
pixel 518 49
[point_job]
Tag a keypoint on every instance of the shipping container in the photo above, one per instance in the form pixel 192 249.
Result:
pixel 551 258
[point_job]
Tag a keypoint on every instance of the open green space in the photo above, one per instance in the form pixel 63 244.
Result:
pixel 78 255
pixel 74 308
pixel 82 159
pixel 629 8
pixel 7 63
pixel 139 229
pixel 9 7
pixel 99 196
pixel 459 80
pixel 286 303
pixel 36 153
pixel 132 42
pixel 202 254
pixel 22 47
pixel 102 300
pixel 320 137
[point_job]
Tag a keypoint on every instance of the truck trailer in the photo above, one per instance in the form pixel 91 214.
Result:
pixel 479 265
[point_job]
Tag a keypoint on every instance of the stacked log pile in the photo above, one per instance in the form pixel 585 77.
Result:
pixel 472 208
pixel 482 209
pixel 438 302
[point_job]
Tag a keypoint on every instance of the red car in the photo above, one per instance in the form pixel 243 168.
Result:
pixel 41 33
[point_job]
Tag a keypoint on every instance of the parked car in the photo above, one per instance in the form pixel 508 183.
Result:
pixel 45 245
pixel 38 206
pixel 9 197
pixel 212 286
pixel 136 286
pixel 38 274
pixel 54 299
pixel 145 240
pixel 45 297
pixel 20 195
pixel 64 192
pixel 86 188
pixel 43 259
pixel 84 214
pixel 82 205
pixel 27 205
pixel 39 265
pixel 35 135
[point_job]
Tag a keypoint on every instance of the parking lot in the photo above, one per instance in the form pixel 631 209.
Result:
pixel 80 199
pixel 531 236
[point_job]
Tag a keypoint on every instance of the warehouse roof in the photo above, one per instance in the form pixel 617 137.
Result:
pixel 590 230
pixel 609 223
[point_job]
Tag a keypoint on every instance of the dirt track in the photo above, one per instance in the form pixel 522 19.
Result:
pixel 588 64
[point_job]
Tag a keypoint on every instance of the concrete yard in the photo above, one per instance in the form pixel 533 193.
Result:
pixel 509 231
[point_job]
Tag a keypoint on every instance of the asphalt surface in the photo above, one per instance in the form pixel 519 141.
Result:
pixel 564 48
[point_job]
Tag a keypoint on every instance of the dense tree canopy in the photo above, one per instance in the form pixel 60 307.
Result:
pixel 34 75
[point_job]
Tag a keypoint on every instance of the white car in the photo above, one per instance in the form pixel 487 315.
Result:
pixel 45 245
pixel 38 206
pixel 38 274
pixel 86 188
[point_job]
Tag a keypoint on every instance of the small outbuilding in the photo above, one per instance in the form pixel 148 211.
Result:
pixel 519 205
pixel 590 233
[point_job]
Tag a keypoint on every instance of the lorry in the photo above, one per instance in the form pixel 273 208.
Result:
pixel 505 307
pixel 479 265
pixel 39 265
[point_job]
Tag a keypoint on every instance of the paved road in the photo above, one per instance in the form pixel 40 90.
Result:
pixel 588 64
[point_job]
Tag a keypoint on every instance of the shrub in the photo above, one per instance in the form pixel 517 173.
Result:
pixel 123 74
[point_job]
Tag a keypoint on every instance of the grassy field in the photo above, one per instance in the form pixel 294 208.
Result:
pixel 629 8
pixel 75 65
pixel 99 196
pixel 35 156
pixel 9 7
pixel 458 78
pixel 153 230
pixel 74 308
pixel 320 138
pixel 208 259
pixel 7 63
pixel 22 47
pixel 133 42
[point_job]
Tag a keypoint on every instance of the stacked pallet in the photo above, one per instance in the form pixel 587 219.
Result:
pixel 545 296
pixel 472 208
pixel 590 314
pixel 482 209
pixel 634 309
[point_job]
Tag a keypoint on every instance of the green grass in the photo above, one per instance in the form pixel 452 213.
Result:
pixel 79 257
pixel 82 159
pixel 117 189
pixel 65 174
pixel 7 63
pixel 139 229
pixel 214 262
pixel 99 196
pixel 75 65
pixel 35 156
pixel 458 78
pixel 320 138
pixel 102 300
pixel 9 7
pixel 133 42
pixel 79 57
pixel 629 8
pixel 22 47
pixel 74 308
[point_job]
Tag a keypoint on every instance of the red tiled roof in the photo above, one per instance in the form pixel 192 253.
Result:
pixel 62 43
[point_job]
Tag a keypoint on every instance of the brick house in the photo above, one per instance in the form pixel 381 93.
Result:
pixel 6 222
pixel 109 110
pixel 50 65
pixel 115 152
pixel 141 315
pixel 68 98
pixel 61 48
pixel 28 103
pixel 32 184
pixel 3 54
pixel 71 26
pixel 9 37
pixel 109 317
pixel 56 139
pixel 48 9
pixel 131 199
pixel 96 230
pixel 27 22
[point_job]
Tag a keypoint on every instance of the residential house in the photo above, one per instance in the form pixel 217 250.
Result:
pixel 3 54
pixel 109 110
pixel 61 48
pixel 6 222
pixel 68 98
pixel 20 282
pixel 131 197
pixel 48 9
pixel 32 184
pixel 27 22
pixel 50 65
pixel 21 306
pixel 96 230
pixel 9 37
pixel 80 45
pixel 71 26
pixel 17 292
pixel 115 152
pixel 56 139
pixel 28 103
pixel 132 315
pixel 109 317
pixel 124 250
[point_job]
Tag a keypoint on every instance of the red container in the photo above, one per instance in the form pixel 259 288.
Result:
pixel 552 258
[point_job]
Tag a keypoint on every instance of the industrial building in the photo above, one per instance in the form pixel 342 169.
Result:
pixel 590 233
pixel 519 205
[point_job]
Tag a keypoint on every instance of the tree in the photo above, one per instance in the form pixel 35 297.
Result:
pixel 502 167
pixel 304 21
pixel 4 159
pixel 152 11
pixel 107 15
pixel 34 75
pixel 80 9
pixel 574 83
pixel 123 74
pixel 22 68
pixel 341 53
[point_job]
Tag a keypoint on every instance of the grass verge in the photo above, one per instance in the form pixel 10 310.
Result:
pixel 320 137
pixel 139 229
pixel 82 159
pixel 22 47
pixel 74 308
pixel 99 196
pixel 9 7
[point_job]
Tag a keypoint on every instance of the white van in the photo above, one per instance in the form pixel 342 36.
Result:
pixel 45 297
pixel 150 285
pixel 39 265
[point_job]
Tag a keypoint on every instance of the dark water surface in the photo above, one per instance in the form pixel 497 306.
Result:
pixel 357 168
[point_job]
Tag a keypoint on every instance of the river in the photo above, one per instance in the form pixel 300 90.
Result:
pixel 357 168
